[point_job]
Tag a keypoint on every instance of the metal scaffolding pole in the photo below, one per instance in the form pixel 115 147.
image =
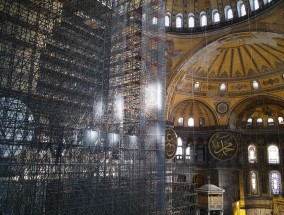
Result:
pixel 82 98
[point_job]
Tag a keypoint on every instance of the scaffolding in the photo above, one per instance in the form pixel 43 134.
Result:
pixel 181 196
pixel 80 130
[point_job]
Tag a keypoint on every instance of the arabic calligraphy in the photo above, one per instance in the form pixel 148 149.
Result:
pixel 223 146
pixel 171 143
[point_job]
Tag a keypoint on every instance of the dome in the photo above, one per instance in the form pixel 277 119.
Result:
pixel 240 60
pixel 196 16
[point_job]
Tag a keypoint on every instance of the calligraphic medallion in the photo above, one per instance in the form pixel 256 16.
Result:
pixel 223 146
pixel 171 143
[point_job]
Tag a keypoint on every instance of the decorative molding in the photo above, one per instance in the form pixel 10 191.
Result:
pixel 271 81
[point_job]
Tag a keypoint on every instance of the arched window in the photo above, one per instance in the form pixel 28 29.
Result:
pixel 255 85
pixel 201 122
pixel 280 120
pixel 179 21
pixel 154 21
pixel 223 87
pixel 180 121
pixel 252 154
pixel 167 20
pixel 273 154
pixel 254 5
pixel 215 16
pixel 253 182
pixel 259 122
pixel 270 121
pixel 190 122
pixel 196 85
pixel 275 182
pixel 203 19
pixel 187 153
pixel 241 8
pixel 179 153
pixel 191 20
pixel 249 121
pixel 228 12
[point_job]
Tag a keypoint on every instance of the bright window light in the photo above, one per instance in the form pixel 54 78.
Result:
pixel 223 87
pixel 255 85
pixel 167 21
pixel 190 122
pixel 191 22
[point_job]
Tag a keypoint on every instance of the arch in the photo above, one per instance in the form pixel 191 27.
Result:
pixel 228 12
pixel 280 120
pixel 168 19
pixel 270 121
pixel 197 85
pixel 190 122
pixel 179 20
pixel 252 153
pixel 253 182
pixel 243 110
pixel 203 19
pixel 273 154
pixel 181 109
pixel 215 16
pixel 241 8
pixel 255 85
pixel 201 121
pixel 249 121
pixel 180 121
pixel 223 87
pixel 259 122
pixel 187 153
pixel 191 20
pixel 275 182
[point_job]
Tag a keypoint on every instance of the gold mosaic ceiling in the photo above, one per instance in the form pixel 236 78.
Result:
pixel 236 60
pixel 237 56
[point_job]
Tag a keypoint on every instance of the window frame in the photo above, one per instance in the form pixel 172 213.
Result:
pixel 280 120
pixel 190 122
pixel 253 190
pixel 226 12
pixel 250 160
pixel 179 153
pixel 179 16
pixel 191 15
pixel 187 153
pixel 249 121
pixel 214 12
pixel 168 14
pixel 271 182
pixel 179 123
pixel 203 14
pixel 223 87
pixel 272 160
pixel 241 4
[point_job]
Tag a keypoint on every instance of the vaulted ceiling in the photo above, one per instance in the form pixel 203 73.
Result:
pixel 235 55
